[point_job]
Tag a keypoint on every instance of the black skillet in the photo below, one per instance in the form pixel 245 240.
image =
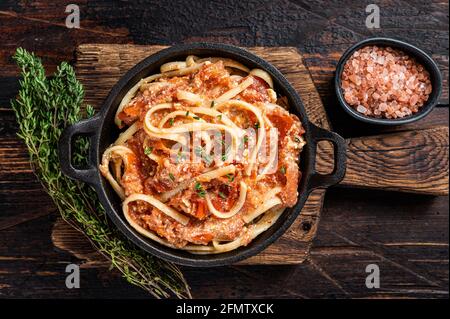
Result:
pixel 102 132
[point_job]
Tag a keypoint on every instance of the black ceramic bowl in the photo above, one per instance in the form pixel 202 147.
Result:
pixel 418 54
pixel 102 132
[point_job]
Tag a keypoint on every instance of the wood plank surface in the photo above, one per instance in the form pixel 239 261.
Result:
pixel 405 234
pixel 409 161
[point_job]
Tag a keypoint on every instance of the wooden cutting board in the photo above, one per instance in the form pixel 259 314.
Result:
pixel 414 161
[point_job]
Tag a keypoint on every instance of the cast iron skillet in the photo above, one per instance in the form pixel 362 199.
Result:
pixel 102 132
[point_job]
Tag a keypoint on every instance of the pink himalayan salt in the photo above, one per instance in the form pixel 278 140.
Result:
pixel 385 82
pixel 361 109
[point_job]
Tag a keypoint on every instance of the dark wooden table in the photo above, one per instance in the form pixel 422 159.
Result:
pixel 405 235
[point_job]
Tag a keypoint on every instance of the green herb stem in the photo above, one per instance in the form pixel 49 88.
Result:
pixel 44 107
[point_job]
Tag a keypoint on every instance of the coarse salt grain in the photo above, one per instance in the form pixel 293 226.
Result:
pixel 361 109
pixel 385 82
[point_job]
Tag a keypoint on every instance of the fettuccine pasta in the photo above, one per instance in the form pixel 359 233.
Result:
pixel 208 159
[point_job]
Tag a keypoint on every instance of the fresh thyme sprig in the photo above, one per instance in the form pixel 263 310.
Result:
pixel 43 108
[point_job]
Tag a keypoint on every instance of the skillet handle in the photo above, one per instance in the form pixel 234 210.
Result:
pixel 88 128
pixel 318 180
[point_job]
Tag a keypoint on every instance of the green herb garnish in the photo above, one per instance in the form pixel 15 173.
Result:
pixel 257 125
pixel 225 155
pixel 222 195
pixel 230 177
pixel 200 190
pixel 171 176
pixel 283 170
pixel 148 150
pixel 212 104
pixel 171 121
pixel 196 118
pixel 44 107
pixel 202 194
pixel 219 116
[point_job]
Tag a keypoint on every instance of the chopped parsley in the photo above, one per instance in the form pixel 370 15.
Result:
pixel 283 170
pixel 148 150
pixel 222 195
pixel 230 177
pixel 245 138
pixel 219 116
pixel 201 194
pixel 212 104
pixel 196 118
pixel 225 155
pixel 257 126
pixel 297 139
pixel 200 190
pixel 171 121
pixel 187 113
pixel 172 177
